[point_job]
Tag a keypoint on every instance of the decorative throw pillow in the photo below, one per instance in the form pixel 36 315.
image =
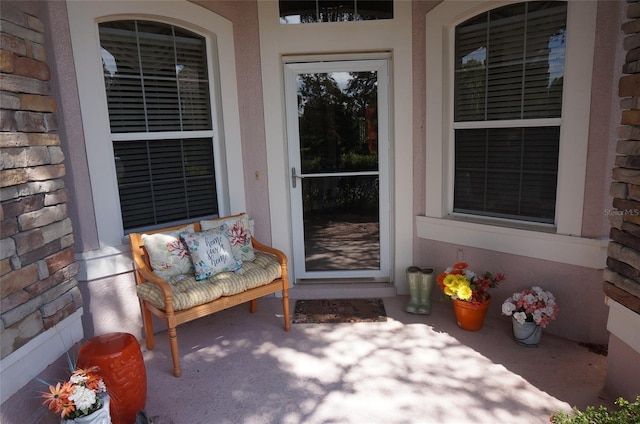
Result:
pixel 236 228
pixel 168 255
pixel 210 253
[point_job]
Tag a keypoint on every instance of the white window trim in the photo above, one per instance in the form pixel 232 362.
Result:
pixel 537 242
pixel 83 25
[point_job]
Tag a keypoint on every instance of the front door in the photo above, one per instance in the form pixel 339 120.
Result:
pixel 338 139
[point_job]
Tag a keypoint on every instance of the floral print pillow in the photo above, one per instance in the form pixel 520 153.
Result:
pixel 168 255
pixel 210 253
pixel 237 230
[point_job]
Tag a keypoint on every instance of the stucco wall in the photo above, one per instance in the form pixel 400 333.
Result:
pixel 112 298
pixel 110 303
pixel 583 313
pixel 605 115
pixel 247 47
pixel 244 15
pixel 623 372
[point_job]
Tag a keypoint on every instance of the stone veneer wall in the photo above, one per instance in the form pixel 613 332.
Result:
pixel 38 285
pixel 622 277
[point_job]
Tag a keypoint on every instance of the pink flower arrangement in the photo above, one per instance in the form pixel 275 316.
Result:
pixel 532 305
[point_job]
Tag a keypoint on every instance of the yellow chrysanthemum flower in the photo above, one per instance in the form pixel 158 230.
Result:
pixel 457 285
pixel 452 281
pixel 464 292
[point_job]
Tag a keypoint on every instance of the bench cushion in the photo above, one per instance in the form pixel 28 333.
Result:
pixel 188 292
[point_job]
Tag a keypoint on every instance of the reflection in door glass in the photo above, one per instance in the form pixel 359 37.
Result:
pixel 341 223
pixel 309 11
pixel 338 121
pixel 338 133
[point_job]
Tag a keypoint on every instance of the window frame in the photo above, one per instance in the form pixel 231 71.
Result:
pixel 510 64
pixel 84 18
pixel 283 20
pixel 439 223
pixel 173 135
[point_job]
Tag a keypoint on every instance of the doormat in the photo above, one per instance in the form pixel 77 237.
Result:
pixel 318 311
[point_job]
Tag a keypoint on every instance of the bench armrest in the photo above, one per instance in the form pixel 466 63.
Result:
pixel 282 258
pixel 145 274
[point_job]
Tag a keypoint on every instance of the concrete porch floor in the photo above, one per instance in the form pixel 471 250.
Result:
pixel 239 367
pixel 243 368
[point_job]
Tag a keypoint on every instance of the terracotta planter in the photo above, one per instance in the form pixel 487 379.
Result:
pixel 470 317
pixel 122 368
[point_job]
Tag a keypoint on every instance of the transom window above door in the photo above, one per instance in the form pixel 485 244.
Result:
pixel 309 11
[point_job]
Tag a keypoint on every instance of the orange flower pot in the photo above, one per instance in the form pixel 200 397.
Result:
pixel 470 317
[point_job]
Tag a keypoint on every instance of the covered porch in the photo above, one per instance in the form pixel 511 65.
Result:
pixel 66 261
pixel 243 368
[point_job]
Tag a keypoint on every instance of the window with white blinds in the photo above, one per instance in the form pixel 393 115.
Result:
pixel 508 82
pixel 157 85
pixel 310 11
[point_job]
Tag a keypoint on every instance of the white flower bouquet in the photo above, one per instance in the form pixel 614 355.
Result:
pixel 532 305
pixel 77 397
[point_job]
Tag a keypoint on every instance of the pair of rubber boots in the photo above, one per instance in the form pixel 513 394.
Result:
pixel 420 283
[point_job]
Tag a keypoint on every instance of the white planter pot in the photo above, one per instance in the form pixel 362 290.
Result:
pixel 526 334
pixel 101 416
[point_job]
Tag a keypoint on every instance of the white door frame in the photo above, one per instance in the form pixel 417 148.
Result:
pixel 381 67
pixel 384 38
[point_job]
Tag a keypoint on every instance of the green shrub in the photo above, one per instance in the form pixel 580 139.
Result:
pixel 629 413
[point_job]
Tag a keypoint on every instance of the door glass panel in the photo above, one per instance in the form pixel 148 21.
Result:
pixel 338 136
pixel 338 122
pixel 341 223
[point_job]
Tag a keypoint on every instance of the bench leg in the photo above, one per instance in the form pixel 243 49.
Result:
pixel 253 306
pixel 173 343
pixel 148 326
pixel 285 309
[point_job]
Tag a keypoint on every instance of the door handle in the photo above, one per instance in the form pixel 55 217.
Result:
pixel 294 176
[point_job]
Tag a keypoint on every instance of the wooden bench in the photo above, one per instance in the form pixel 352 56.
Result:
pixel 177 300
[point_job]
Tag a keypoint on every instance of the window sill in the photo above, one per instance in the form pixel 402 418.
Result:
pixel 104 263
pixel 539 244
